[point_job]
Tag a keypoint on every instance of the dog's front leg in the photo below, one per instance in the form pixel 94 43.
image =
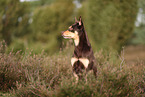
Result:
pixel 76 76
pixel 86 74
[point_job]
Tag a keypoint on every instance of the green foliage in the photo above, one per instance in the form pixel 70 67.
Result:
pixel 138 36
pixel 139 32
pixel 13 19
pixel 51 76
pixel 17 45
pixel 49 21
pixel 109 22
pixel 71 89
pixel 141 4
pixel 44 2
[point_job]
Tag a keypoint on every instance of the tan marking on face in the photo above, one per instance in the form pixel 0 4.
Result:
pixel 85 62
pixel 68 34
pixel 70 27
pixel 76 32
pixel 76 39
pixel 73 60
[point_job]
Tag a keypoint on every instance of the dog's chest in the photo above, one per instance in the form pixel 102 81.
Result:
pixel 84 61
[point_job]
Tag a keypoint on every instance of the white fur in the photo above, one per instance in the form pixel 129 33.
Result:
pixel 85 61
pixel 73 60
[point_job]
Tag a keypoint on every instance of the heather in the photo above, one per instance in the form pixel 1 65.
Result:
pixel 25 74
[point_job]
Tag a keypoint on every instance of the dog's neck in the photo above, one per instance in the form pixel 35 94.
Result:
pixel 83 41
pixel 82 44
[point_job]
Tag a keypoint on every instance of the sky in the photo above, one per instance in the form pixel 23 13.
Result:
pixel 140 18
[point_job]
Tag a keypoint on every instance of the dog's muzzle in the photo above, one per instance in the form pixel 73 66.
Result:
pixel 67 34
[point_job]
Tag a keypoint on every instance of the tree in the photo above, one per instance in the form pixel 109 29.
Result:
pixel 138 36
pixel 49 21
pixel 109 22
pixel 13 19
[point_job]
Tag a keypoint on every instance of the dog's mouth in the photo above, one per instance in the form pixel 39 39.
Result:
pixel 67 37
pixel 67 34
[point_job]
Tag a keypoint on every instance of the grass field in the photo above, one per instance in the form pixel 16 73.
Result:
pixel 30 75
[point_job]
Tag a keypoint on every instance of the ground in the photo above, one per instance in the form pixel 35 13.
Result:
pixel 133 54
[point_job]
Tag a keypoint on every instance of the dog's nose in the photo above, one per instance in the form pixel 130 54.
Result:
pixel 62 32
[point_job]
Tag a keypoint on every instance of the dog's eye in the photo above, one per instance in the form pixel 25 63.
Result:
pixel 71 29
pixel 79 27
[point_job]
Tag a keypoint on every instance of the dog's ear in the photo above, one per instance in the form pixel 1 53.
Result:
pixel 80 20
pixel 76 20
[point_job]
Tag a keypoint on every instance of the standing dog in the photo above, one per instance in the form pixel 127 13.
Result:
pixel 83 57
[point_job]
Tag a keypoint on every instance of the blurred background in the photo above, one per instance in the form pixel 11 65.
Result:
pixel 117 25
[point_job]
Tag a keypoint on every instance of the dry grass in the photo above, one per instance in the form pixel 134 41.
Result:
pixel 30 75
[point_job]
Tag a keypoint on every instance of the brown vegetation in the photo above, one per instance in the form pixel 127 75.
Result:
pixel 28 74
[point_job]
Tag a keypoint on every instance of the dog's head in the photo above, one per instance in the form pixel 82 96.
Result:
pixel 75 30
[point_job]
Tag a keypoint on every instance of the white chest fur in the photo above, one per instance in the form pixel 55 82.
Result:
pixel 85 61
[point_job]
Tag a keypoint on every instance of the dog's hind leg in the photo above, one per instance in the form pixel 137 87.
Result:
pixel 95 71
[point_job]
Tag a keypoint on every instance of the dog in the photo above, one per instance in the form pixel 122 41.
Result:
pixel 83 57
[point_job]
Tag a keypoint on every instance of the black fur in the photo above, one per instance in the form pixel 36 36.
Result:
pixel 82 50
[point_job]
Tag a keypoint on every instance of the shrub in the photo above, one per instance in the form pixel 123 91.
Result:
pixel 109 23
pixel 48 22
pixel 28 74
